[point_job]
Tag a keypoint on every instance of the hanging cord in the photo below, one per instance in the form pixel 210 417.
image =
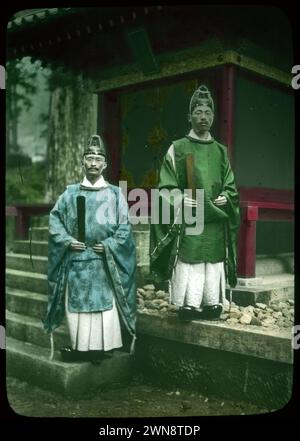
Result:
pixel 30 244
pixel 230 299
pixel 52 346
pixel 132 347
pixel 227 263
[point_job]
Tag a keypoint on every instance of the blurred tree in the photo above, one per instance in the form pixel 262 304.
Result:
pixel 71 122
pixel 29 187
pixel 20 87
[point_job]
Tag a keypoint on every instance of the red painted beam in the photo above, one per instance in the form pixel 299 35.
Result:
pixel 11 211
pixel 250 213
pixel 263 194
pixel 22 225
pixel 227 108
pixel 247 244
pixel 268 205
pixel 23 214
pixel 110 128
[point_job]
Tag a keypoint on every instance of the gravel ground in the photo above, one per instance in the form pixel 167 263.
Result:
pixel 137 399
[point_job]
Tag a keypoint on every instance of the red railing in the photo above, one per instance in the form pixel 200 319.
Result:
pixel 23 213
pixel 257 204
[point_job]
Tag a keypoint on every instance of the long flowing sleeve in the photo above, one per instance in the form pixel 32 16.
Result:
pixel 121 259
pixel 58 245
pixel 163 235
pixel 231 208
pixel 59 237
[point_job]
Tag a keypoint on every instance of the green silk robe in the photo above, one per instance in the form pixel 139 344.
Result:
pixel 217 242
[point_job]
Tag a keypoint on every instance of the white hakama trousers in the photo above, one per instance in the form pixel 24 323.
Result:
pixel 94 330
pixel 197 284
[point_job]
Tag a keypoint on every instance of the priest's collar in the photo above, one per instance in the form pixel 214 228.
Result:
pixel 87 185
pixel 194 137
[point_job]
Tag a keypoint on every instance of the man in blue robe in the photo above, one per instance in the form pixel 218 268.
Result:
pixel 91 263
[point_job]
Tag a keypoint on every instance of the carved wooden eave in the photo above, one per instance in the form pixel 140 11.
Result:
pixel 195 61
pixel 47 34
pixel 184 39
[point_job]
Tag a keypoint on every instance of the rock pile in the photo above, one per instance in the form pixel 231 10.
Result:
pixel 151 301
pixel 278 314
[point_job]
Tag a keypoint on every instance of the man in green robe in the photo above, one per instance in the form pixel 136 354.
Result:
pixel 91 263
pixel 197 265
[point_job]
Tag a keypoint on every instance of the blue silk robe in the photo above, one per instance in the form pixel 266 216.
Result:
pixel 93 278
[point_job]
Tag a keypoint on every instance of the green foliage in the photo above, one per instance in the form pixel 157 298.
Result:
pixel 20 89
pixel 20 84
pixel 26 184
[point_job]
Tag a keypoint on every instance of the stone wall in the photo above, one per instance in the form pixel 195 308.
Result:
pixel 215 372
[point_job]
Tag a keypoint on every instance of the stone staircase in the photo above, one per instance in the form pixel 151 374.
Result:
pixel 28 346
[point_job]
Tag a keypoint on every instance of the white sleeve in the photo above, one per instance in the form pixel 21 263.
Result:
pixel 171 153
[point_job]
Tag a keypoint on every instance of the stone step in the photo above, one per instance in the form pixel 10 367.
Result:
pixel 25 280
pixel 254 341
pixel 31 363
pixel 23 262
pixel 27 303
pixel 237 362
pixel 42 233
pixel 263 289
pixel 30 329
pixel 38 248
pixel 270 280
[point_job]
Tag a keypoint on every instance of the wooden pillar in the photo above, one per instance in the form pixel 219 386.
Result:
pixel 22 224
pixel 226 112
pixel 247 242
